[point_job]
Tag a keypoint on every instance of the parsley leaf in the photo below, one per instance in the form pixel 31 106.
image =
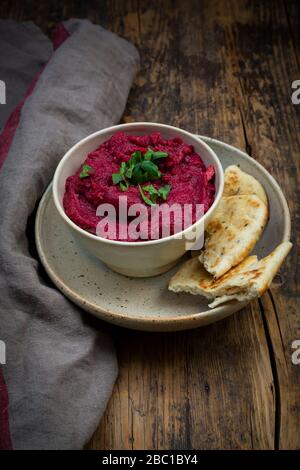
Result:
pixel 85 171
pixel 139 169
pixel 149 154
pixel 151 169
pixel 144 197
pixel 164 191
pixel 124 185
pixel 116 178
pixel 157 155
pixel 154 193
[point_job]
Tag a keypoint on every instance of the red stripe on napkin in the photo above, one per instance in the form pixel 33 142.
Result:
pixel 5 439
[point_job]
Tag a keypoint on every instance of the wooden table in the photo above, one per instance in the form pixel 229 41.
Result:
pixel 222 69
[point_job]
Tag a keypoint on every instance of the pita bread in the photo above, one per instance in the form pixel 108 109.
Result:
pixel 233 232
pixel 248 280
pixel 238 183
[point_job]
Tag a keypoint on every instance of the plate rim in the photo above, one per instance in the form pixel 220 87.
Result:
pixel 142 322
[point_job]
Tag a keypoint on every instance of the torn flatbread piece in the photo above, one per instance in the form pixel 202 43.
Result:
pixel 233 232
pixel 250 279
pixel 239 183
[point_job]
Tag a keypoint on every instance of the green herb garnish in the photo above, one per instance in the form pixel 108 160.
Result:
pixel 117 178
pixel 163 191
pixel 144 197
pixel 85 171
pixel 154 193
pixel 139 169
pixel 123 185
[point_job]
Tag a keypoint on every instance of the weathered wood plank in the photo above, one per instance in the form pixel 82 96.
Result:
pixel 293 21
pixel 215 388
pixel 180 390
pixel 264 67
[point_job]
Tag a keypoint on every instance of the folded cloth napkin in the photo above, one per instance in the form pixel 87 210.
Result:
pixel 60 363
pixel 24 50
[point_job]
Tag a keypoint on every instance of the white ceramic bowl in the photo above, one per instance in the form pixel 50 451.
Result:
pixel 136 259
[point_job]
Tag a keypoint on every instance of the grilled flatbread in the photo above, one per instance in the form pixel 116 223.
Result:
pixel 250 279
pixel 233 232
pixel 237 183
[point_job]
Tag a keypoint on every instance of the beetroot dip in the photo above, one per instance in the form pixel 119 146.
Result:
pixel 183 169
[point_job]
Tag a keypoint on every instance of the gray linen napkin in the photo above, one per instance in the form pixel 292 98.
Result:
pixel 22 56
pixel 61 365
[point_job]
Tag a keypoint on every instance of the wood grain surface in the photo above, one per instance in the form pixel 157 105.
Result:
pixel 222 69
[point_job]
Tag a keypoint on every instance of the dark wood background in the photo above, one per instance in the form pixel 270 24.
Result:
pixel 222 69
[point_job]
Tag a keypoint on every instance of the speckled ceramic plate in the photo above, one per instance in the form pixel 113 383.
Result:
pixel 145 304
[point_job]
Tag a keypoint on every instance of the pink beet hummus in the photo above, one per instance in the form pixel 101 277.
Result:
pixel 183 169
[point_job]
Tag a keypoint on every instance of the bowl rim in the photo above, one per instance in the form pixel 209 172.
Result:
pixel 117 128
